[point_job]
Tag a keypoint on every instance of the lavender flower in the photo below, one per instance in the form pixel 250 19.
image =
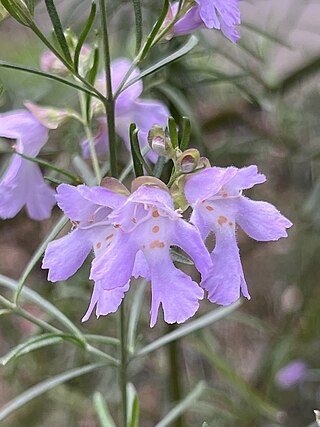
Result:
pixel 292 374
pixel 222 15
pixel 129 109
pixel 88 209
pixel 22 183
pixel 216 197
pixel 148 225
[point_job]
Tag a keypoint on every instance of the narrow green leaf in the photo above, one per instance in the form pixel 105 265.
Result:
pixel 158 168
pixel 135 151
pixel 19 11
pixel 155 30
pixel 3 12
pixel 133 406
pixel 84 35
pixel 39 252
pixel 49 165
pixel 185 137
pixel 34 343
pixel 186 48
pixel 43 387
pixel 138 19
pixel 31 70
pixel 57 26
pixel 102 411
pixel 177 257
pixel 91 78
pixel 102 339
pixel 49 308
pixel 189 328
pixel 30 4
pixel 172 125
pixel 135 314
pixel 182 406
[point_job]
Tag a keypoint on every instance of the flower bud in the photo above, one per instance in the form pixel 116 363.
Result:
pixel 188 160
pixel 159 142
pixel 114 185
pixel 19 11
pixel 177 194
pixel 147 180
pixel 50 117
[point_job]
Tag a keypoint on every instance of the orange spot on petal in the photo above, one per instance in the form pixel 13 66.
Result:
pixel 109 237
pixel 134 220
pixel 98 245
pixel 155 214
pixel 209 208
pixel 222 220
pixel 156 244
pixel 155 229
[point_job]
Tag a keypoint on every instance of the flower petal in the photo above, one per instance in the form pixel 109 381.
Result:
pixel 63 257
pixel 114 268
pixel 188 23
pixel 141 268
pixel 73 204
pixel 225 278
pixel 188 238
pixel 245 178
pixel 208 14
pixel 106 301
pixel 261 220
pixel 175 290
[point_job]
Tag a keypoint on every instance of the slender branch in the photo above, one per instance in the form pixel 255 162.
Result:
pixel 109 102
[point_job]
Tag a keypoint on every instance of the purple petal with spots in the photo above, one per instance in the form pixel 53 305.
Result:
pixel 63 257
pixel 207 183
pixel 261 220
pixel 225 279
pixel 105 301
pixel 169 286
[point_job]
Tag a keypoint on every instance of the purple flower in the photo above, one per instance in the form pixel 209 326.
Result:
pixel 129 109
pixel 148 225
pixel 88 209
pixel 22 183
pixel 291 374
pixel 222 15
pixel 218 205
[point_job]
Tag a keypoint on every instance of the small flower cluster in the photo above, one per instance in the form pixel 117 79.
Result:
pixel 131 235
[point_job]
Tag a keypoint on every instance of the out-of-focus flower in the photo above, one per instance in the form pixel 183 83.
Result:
pixel 51 64
pixel 148 225
pixel 222 15
pixel 292 374
pixel 218 205
pixel 129 108
pixel 22 183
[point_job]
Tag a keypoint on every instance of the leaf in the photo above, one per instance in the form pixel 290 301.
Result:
pixel 49 308
pixel 133 406
pixel 3 12
pixel 39 252
pixel 57 26
pixel 34 343
pixel 91 78
pixel 185 138
pixel 188 328
pixel 31 70
pixel 138 160
pixel 49 165
pixel 138 20
pixel 84 35
pixel 177 257
pixel 134 315
pixel 182 406
pixel 102 411
pixel 186 48
pixel 43 387
pixel 172 125
pixel 19 11
pixel 154 30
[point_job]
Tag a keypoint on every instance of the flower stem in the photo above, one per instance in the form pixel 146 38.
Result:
pixel 175 374
pixel 123 366
pixel 109 102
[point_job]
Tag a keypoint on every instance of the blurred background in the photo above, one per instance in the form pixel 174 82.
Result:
pixel 254 103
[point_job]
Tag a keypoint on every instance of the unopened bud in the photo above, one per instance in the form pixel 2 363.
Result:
pixel 177 194
pixel 188 160
pixel 51 64
pixel 159 142
pixel 19 11
pixel 150 181
pixel 50 117
pixel 114 185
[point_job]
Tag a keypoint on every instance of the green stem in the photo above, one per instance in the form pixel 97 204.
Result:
pixel 175 374
pixel 109 102
pixel 123 366
pixel 87 128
